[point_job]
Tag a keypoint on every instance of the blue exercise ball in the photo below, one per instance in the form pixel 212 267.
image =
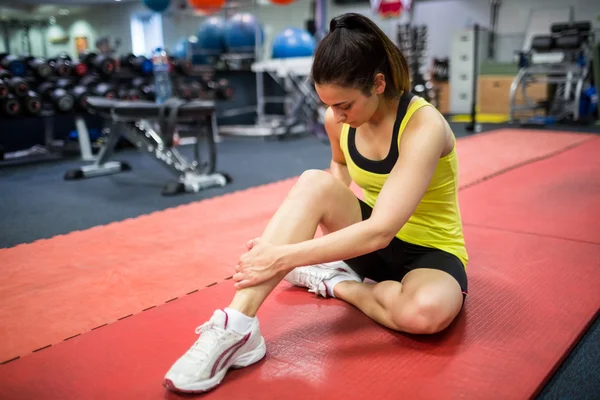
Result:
pixel 210 35
pixel 240 33
pixel 294 42
pixel 185 46
pixel 157 5
pixel 181 48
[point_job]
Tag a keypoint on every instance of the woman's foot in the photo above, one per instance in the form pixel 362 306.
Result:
pixel 217 349
pixel 321 278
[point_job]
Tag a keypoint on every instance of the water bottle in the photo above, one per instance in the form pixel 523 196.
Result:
pixel 162 81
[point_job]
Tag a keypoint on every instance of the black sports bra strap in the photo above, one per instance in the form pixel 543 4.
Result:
pixel 383 166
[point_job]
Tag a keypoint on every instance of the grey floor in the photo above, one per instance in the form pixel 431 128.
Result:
pixel 37 203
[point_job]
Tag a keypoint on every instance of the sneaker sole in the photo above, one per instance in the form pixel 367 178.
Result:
pixel 245 360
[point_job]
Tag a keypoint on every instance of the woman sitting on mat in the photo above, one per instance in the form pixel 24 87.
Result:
pixel 406 236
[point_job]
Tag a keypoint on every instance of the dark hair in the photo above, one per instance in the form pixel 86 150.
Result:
pixel 354 51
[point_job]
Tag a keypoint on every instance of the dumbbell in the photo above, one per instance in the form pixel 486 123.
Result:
pixel 197 89
pixel 180 66
pixel 79 69
pixel 189 90
pixel 3 89
pixel 139 64
pixel 105 90
pixel 129 94
pixel 10 106
pixel 148 92
pixel 89 80
pixel 135 94
pixel 32 103
pixel 98 88
pixel 184 91
pixel 12 64
pixel 62 101
pixel 15 85
pixel 65 83
pixel 62 65
pixel 102 64
pixel 139 83
pixel 40 68
pixel 81 94
pixel 222 89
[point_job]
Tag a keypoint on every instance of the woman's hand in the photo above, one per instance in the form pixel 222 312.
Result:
pixel 261 263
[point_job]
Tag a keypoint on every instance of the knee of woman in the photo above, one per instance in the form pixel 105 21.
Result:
pixel 422 314
pixel 314 180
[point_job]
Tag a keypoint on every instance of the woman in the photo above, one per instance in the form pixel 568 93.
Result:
pixel 406 235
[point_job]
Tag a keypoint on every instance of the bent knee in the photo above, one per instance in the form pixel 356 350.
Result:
pixel 424 313
pixel 314 180
pixel 311 176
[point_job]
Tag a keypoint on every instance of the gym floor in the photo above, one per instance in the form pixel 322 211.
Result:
pixel 37 203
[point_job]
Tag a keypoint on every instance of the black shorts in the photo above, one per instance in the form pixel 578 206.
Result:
pixel 399 258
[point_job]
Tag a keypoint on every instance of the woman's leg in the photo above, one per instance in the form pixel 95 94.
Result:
pixel 231 338
pixel 317 198
pixel 425 302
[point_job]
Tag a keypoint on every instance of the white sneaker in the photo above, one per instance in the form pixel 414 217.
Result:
pixel 217 349
pixel 313 276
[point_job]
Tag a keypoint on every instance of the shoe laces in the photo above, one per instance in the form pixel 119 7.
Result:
pixel 311 278
pixel 210 335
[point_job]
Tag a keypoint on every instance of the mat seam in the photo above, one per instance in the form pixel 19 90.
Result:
pixel 531 234
pixel 112 322
pixel 525 163
pixel 491 176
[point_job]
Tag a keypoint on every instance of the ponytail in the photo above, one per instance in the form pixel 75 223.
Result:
pixel 354 51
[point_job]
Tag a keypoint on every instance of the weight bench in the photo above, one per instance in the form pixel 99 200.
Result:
pixel 562 60
pixel 151 127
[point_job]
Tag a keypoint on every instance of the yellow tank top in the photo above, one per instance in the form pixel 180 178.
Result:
pixel 436 222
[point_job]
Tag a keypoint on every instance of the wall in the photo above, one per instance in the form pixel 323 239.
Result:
pixel 443 18
pixel 113 20
pixel 17 44
pixel 514 14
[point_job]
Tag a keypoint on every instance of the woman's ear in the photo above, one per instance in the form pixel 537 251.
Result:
pixel 379 84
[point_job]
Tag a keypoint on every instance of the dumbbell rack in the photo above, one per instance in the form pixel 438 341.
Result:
pixel 412 41
pixel 51 148
pixel 106 85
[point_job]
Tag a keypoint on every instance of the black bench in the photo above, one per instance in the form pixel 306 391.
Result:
pixel 151 128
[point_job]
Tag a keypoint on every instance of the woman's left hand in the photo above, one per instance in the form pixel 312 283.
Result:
pixel 261 263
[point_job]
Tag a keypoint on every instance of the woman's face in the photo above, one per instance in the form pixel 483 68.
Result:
pixel 349 105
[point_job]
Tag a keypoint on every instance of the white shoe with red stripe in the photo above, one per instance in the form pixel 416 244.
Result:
pixel 314 277
pixel 217 349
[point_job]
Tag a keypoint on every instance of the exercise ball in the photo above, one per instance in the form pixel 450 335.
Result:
pixel 293 42
pixel 187 49
pixel 157 5
pixel 181 48
pixel 240 33
pixel 211 36
pixel 207 4
pixel 282 2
